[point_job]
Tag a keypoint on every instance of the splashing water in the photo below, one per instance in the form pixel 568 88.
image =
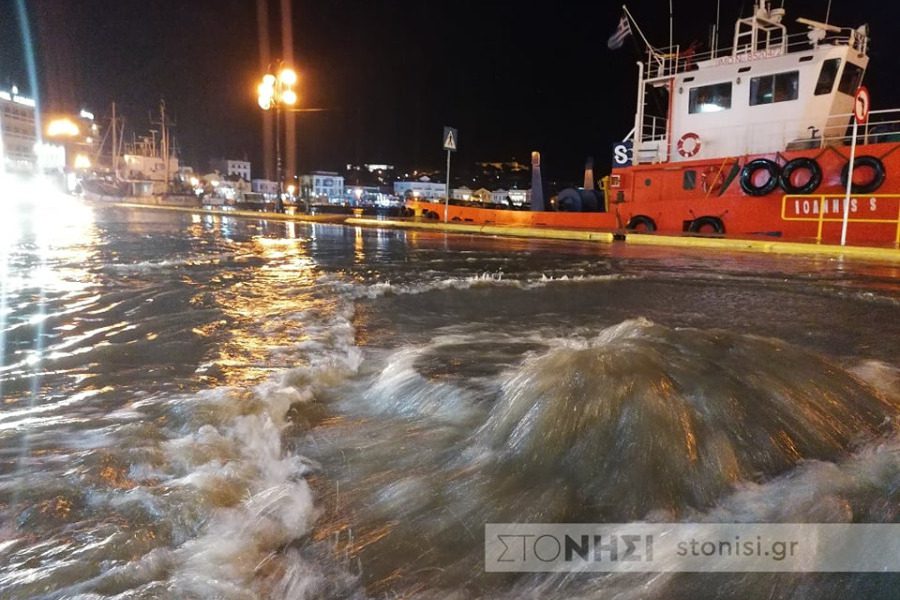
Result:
pixel 242 410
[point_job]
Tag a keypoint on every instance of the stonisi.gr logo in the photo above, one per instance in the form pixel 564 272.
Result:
pixel 692 547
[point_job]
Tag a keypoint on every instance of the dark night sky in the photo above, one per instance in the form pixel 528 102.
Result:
pixel 512 76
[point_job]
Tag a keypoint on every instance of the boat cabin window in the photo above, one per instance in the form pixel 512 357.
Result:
pixel 827 76
pixel 710 98
pixel 780 87
pixel 851 79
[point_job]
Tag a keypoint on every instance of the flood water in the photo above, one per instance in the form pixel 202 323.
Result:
pixel 205 407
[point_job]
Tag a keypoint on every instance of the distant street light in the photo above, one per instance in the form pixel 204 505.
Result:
pixel 82 162
pixel 275 92
pixel 64 127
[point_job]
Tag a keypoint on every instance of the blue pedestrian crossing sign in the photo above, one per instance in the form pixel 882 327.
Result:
pixel 450 138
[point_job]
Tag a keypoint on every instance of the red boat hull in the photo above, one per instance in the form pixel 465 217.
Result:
pixel 677 196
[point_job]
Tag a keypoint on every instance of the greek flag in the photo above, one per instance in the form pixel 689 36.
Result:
pixel 617 39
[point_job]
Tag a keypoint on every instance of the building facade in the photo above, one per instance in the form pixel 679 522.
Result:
pixel 499 196
pixel 463 193
pixel 370 195
pixel 322 186
pixel 266 187
pixel 519 197
pixel 237 168
pixel 17 131
pixel 422 188
pixel 482 195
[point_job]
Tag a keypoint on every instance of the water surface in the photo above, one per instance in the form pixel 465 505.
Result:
pixel 204 407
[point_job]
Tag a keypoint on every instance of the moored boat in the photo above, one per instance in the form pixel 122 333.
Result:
pixel 750 141
pixel 148 173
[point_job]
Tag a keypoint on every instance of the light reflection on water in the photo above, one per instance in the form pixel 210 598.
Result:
pixel 230 408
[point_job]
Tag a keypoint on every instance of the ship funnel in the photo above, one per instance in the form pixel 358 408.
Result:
pixel 537 184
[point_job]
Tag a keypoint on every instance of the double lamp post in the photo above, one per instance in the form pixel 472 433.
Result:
pixel 274 92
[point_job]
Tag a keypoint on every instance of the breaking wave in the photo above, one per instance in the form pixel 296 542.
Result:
pixel 638 422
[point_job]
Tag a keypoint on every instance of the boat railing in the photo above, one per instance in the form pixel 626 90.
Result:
pixel 881 126
pixel 672 60
pixel 654 128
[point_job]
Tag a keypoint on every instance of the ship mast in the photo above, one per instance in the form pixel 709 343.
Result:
pixel 115 147
pixel 164 141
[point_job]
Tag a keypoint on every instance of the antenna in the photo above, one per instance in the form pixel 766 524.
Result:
pixel 817 25
pixel 671 20
pixel 714 45
pixel 828 12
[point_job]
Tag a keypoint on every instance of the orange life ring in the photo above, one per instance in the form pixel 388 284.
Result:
pixel 689 145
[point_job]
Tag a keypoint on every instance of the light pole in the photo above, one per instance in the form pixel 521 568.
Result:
pixel 275 91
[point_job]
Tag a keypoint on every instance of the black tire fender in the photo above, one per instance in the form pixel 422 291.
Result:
pixel 865 161
pixel 638 220
pixel 700 222
pixel 751 168
pixel 815 176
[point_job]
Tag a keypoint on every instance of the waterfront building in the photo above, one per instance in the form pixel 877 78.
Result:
pixel 461 193
pixel 229 188
pixel 499 196
pixel 67 143
pixel 369 195
pixel 423 188
pixel 70 142
pixel 238 168
pixel 519 197
pixel 482 195
pixel 322 186
pixel 17 131
pixel 266 187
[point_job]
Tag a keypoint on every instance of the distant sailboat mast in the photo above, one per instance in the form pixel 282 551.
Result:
pixel 164 142
pixel 115 147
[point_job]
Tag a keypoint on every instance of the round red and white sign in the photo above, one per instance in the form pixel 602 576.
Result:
pixel 861 103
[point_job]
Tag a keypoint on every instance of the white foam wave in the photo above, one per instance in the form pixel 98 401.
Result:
pixel 243 453
pixel 219 477
pixel 188 261
pixel 486 279
pixel 400 390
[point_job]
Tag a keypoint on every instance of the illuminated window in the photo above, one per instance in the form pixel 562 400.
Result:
pixel 780 87
pixel 710 98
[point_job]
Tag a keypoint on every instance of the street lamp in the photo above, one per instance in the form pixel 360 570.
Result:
pixel 275 92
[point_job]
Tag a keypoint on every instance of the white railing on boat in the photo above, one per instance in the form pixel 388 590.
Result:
pixel 654 128
pixel 668 61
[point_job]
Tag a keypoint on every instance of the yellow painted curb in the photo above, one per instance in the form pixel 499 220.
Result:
pixel 244 214
pixel 528 232
pixel 884 254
